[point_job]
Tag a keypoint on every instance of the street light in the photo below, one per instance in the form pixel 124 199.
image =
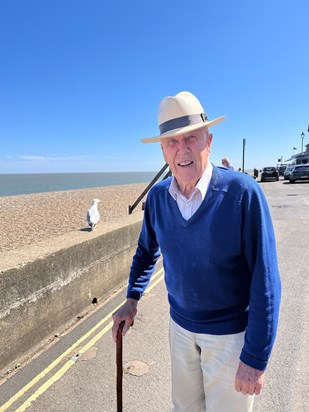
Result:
pixel 243 154
pixel 302 141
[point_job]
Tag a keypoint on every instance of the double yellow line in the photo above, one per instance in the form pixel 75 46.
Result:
pixel 156 278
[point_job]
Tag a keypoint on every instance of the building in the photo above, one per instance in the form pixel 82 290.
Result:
pixel 299 158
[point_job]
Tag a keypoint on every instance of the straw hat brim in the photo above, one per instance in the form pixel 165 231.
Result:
pixel 183 130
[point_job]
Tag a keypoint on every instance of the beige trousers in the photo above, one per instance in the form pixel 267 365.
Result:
pixel 203 372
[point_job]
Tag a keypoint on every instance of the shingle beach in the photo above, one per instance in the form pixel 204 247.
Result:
pixel 27 219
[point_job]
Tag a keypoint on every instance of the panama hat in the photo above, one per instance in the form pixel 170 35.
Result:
pixel 181 114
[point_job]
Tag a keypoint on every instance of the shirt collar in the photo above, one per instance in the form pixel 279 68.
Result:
pixel 201 186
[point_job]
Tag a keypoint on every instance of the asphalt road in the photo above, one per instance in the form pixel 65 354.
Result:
pixel 76 370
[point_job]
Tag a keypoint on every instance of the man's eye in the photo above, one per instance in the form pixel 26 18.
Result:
pixel 191 139
pixel 171 142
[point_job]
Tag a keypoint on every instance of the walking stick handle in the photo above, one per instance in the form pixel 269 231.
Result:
pixel 119 367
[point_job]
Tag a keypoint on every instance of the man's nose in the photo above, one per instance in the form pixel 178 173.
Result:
pixel 183 145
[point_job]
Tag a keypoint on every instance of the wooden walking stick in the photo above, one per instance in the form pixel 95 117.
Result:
pixel 119 367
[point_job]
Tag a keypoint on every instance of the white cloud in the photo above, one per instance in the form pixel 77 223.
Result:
pixel 49 158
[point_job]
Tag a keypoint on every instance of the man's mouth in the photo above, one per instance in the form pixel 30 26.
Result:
pixel 185 163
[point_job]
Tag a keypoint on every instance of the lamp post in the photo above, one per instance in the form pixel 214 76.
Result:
pixel 302 141
pixel 243 154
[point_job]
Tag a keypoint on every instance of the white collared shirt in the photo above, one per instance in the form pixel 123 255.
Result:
pixel 188 207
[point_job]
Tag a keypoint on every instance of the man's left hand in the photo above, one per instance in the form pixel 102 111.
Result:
pixel 248 381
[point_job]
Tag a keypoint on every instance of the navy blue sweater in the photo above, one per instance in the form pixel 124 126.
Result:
pixel 221 268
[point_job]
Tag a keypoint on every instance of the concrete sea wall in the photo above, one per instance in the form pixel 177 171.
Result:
pixel 45 285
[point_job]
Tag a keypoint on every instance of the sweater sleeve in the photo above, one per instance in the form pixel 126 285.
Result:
pixel 259 245
pixel 145 258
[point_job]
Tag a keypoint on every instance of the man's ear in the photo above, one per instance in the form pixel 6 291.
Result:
pixel 163 152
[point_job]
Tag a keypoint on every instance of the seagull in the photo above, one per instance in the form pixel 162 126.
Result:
pixel 93 215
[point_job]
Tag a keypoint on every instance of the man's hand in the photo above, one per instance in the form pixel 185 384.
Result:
pixel 248 381
pixel 125 313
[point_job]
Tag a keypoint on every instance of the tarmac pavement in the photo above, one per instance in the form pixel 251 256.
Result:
pixel 76 371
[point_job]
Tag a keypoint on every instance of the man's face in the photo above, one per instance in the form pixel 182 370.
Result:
pixel 187 155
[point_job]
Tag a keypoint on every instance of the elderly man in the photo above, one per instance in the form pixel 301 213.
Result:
pixel 214 231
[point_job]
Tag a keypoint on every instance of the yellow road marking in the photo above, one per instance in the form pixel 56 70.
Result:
pixel 61 371
pixel 46 385
pixel 156 278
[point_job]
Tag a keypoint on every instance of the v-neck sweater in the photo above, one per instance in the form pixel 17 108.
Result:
pixel 221 269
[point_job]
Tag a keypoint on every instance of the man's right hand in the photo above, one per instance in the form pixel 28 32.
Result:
pixel 126 313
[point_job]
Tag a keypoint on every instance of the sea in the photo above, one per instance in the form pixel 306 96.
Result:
pixel 22 184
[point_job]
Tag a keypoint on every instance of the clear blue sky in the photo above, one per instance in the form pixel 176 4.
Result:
pixel 81 81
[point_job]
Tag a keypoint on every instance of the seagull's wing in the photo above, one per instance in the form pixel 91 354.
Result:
pixel 88 217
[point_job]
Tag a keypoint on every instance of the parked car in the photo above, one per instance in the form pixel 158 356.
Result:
pixel 287 172
pixel 282 169
pixel 269 173
pixel 299 172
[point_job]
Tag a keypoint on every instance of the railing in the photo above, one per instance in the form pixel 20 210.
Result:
pixel 157 176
